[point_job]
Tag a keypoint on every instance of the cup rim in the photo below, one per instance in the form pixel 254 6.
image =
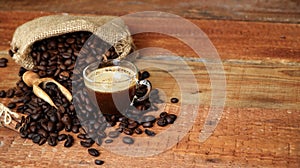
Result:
pixel 85 77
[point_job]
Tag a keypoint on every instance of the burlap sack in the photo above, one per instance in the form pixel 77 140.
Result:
pixel 108 28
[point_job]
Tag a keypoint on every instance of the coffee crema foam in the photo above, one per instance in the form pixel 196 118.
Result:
pixel 111 79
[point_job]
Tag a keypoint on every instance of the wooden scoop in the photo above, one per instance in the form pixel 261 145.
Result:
pixel 33 80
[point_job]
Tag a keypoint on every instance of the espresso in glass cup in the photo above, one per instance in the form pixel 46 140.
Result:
pixel 112 85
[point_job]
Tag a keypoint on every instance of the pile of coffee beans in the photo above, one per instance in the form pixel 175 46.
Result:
pixel 3 62
pixel 57 58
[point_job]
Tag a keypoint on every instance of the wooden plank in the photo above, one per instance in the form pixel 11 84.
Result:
pixel 264 10
pixel 233 40
pixel 240 137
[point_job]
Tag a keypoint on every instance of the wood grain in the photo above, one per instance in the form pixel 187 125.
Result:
pixel 260 124
pixel 263 10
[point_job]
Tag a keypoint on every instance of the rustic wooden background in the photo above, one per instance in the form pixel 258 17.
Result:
pixel 259 44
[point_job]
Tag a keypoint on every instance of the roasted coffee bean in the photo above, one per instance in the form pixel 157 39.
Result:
pixel 68 128
pixel 50 126
pixel 108 141
pixel 147 124
pixel 30 135
pixel 52 141
pixel 162 122
pixel 81 136
pixel 99 162
pixel 36 138
pixel 24 134
pixel 64 75
pixel 44 125
pixel 174 100
pixel 42 141
pixel 75 129
pixel 69 142
pixel 85 144
pixel 2 94
pixel 101 134
pixel 10 53
pixel 54 134
pixel 138 131
pixel 128 140
pixel 33 128
pixel 163 114
pixel 133 125
pixel 145 75
pixel 113 134
pixel 99 141
pixel 11 105
pixel 10 93
pixel 22 71
pixel 90 140
pixel 148 118
pixel 3 60
pixel 93 152
pixel 66 119
pixel 62 137
pixel 43 133
pixel 59 126
pixel 127 131
pixel 35 117
pixel 171 118
pixel 70 40
pixel 119 130
pixel 149 132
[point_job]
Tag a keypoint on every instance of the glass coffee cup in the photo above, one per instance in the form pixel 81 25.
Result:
pixel 112 85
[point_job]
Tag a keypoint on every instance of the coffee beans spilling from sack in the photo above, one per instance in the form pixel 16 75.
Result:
pixel 60 47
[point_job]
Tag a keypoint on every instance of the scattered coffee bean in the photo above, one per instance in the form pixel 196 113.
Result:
pixel 42 141
pixel 36 138
pixel 3 60
pixel 11 105
pixel 128 140
pixel 148 118
pixel 132 125
pixel 51 141
pixel 145 75
pixel 108 141
pixel 162 122
pixel 174 100
pixel 10 93
pixel 62 137
pixel 81 136
pixel 75 129
pixel 149 132
pixel 99 162
pixel 171 118
pixel 69 142
pixel 163 114
pixel 127 131
pixel 85 144
pixel 147 124
pixel 138 131
pixel 2 94
pixel 113 134
pixel 93 152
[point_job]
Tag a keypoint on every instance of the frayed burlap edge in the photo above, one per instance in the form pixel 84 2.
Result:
pixel 109 28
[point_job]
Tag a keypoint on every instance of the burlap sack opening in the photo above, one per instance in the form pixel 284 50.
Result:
pixel 115 33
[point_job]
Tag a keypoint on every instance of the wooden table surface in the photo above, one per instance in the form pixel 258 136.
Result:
pixel 259 45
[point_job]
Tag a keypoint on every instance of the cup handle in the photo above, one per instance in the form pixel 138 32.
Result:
pixel 149 87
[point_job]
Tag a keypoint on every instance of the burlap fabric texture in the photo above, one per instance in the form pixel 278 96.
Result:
pixel 109 28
